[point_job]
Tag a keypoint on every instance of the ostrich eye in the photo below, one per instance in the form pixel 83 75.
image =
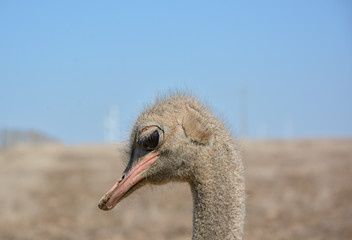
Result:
pixel 150 142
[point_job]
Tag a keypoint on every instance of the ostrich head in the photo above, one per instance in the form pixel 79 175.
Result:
pixel 169 142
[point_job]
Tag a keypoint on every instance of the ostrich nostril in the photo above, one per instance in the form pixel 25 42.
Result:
pixel 122 178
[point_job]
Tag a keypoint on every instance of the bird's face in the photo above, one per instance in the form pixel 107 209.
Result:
pixel 157 155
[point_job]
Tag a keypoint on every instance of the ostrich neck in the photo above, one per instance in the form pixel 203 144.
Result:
pixel 218 201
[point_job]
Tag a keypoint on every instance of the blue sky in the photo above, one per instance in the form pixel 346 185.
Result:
pixel 67 68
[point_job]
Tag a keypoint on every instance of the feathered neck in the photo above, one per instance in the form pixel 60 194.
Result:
pixel 218 192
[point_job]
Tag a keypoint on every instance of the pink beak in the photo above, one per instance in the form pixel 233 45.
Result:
pixel 126 182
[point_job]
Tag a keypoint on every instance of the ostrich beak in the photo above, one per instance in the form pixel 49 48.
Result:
pixel 127 181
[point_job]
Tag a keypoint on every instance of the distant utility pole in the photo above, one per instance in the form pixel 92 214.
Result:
pixel 111 125
pixel 243 111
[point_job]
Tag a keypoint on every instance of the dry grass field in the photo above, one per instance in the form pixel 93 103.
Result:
pixel 295 190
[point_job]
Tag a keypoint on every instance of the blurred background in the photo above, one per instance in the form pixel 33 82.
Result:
pixel 74 75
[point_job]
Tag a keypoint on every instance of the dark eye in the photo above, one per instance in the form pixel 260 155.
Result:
pixel 150 142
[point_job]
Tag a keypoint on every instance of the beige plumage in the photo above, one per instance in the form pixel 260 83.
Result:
pixel 178 139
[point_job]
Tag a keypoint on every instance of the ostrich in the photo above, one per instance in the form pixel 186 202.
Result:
pixel 178 139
